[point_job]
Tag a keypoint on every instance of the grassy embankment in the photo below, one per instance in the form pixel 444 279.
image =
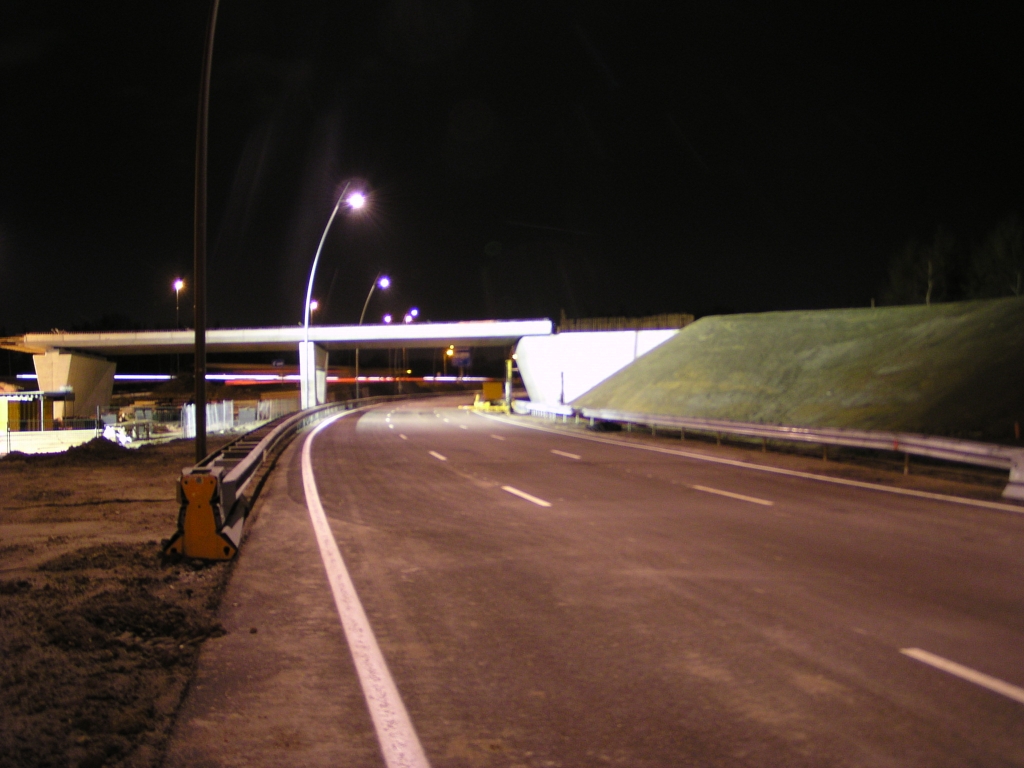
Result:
pixel 949 369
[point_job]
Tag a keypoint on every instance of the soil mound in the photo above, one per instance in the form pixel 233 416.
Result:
pixel 98 645
pixel 96 451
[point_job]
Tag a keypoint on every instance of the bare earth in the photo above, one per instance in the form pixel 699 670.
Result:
pixel 98 636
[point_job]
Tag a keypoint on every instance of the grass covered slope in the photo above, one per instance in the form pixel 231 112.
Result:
pixel 949 369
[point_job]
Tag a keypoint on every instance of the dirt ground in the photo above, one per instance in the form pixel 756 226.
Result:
pixel 98 635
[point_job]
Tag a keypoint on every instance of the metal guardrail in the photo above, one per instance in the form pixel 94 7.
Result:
pixel 546 409
pixel 908 443
pixel 217 493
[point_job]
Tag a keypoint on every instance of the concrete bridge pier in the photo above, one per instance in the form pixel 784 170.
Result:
pixel 312 374
pixel 91 379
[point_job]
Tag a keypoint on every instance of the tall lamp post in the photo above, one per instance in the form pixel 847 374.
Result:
pixel 307 361
pixel 382 282
pixel 199 237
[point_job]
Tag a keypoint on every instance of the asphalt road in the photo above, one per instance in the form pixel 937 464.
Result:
pixel 546 600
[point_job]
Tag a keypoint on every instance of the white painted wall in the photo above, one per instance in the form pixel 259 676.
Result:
pixel 560 368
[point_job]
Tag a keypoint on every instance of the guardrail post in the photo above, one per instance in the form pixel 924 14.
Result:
pixel 1015 488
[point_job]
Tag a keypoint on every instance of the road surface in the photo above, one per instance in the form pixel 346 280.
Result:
pixel 546 599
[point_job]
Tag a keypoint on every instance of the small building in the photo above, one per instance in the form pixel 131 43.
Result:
pixel 29 411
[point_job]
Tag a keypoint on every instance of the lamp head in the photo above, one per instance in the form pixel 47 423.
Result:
pixel 384 282
pixel 356 200
pixel 178 284
pixel 387 319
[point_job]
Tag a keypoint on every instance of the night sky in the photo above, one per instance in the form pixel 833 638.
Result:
pixel 522 159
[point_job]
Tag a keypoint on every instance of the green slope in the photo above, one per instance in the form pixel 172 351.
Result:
pixel 948 369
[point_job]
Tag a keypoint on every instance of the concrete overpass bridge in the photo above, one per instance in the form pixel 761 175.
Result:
pixel 556 367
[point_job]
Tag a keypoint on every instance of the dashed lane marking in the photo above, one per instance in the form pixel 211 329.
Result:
pixel 771 470
pixel 497 437
pixel 438 456
pixel 731 495
pixel 566 454
pixel 403 436
pixel 524 495
pixel 966 673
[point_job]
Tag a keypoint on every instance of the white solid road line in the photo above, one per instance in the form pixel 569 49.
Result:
pixel 524 495
pixel 966 673
pixel 731 495
pixel 398 740
pixel 763 468
pixel 497 437
pixel 438 456
pixel 403 436
pixel 567 455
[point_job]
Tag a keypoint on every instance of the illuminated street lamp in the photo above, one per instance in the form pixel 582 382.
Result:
pixel 314 305
pixel 178 285
pixel 382 282
pixel 307 357
pixel 387 319
pixel 355 201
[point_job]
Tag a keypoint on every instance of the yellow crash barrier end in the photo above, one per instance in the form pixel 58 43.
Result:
pixel 199 535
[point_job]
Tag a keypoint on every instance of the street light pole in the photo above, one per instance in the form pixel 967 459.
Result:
pixel 199 239
pixel 384 282
pixel 355 201
pixel 178 285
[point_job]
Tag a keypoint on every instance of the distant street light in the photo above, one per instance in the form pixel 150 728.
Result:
pixel 178 285
pixel 314 305
pixel 355 201
pixel 381 281
pixel 387 319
